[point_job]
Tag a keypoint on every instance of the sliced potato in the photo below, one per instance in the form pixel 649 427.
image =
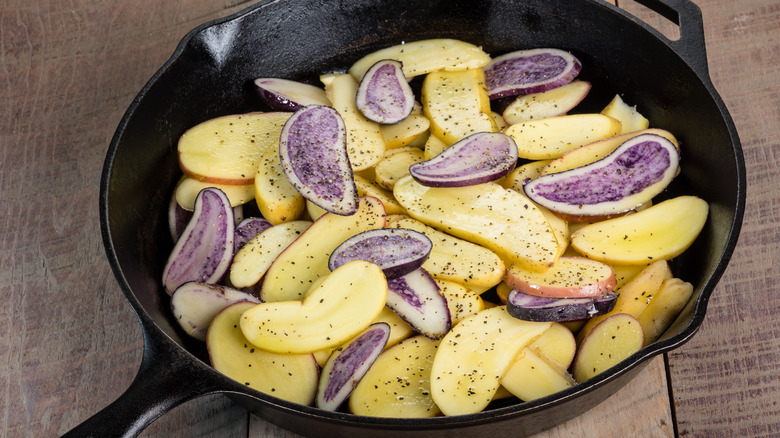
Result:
pixel 665 305
pixel 188 188
pixel 533 375
pixel 368 188
pixel 550 138
pixel 291 377
pixel 462 301
pixel 434 146
pixel 399 329
pixel 629 117
pixel 227 149
pixel 393 167
pixel 406 131
pixel 568 277
pixel 293 272
pixel 611 340
pixel 277 199
pixel 516 178
pixel 425 56
pixel 454 259
pixel 486 214
pixel 550 103
pixel 558 344
pixel 475 355
pixel 398 384
pixel 336 308
pixel 457 104
pixel 660 232
pixel 365 142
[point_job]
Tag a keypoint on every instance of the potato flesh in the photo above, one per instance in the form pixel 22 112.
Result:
pixel 404 132
pixel 365 142
pixel 660 232
pixel 306 259
pixel 398 384
pixel 535 376
pixel 277 199
pixel 188 188
pixel 367 188
pixel 396 166
pixel 568 277
pixel 667 302
pixel 291 377
pixel 550 138
pixel 630 119
pixel 227 150
pixel 485 214
pixel 475 355
pixel 454 259
pixel 425 56
pixel 550 103
pixel 610 342
pixel 462 301
pixel 335 309
pixel 457 104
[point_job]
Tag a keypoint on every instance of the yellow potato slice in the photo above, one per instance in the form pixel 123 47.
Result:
pixel 454 259
pixel 665 305
pixel 475 355
pixel 434 146
pixel 660 232
pixel 550 103
pixel 368 188
pixel 252 261
pixel 188 188
pixel 365 142
pixel 550 138
pixel 516 178
pixel 457 104
pixel 425 56
pixel 277 199
pixel 462 301
pixel 396 166
pixel 336 308
pixel 294 271
pixel 406 131
pixel 629 117
pixel 533 375
pixel 227 149
pixel 398 383
pixel 486 214
pixel 291 377
pixel 612 340
pixel 557 344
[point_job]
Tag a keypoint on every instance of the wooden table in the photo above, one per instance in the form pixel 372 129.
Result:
pixel 70 344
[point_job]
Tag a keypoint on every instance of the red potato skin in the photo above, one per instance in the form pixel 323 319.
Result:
pixel 601 287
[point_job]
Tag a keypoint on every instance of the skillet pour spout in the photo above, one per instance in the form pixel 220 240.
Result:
pixel 210 74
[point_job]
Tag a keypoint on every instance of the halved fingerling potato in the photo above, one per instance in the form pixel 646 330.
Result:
pixel 609 342
pixel 550 138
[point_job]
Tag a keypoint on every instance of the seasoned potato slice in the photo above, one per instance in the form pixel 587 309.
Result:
pixel 462 301
pixel 629 117
pixel 188 188
pixel 406 131
pixel 550 138
pixel 611 340
pixel 395 166
pixel 533 375
pixel 277 199
pixel 665 305
pixel 336 308
pixel 291 377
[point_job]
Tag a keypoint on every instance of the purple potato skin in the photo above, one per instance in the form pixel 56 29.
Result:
pixel 205 248
pixel 247 230
pixel 476 159
pixel 542 309
pixel 270 91
pixel 415 297
pixel 530 71
pixel 313 153
pixel 195 304
pixel 350 365
pixel 383 95
pixel 397 251
pixel 178 218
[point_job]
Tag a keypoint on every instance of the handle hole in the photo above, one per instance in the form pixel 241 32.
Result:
pixel 664 20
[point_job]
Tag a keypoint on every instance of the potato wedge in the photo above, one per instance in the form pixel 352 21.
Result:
pixel 550 103
pixel 660 232
pixel 398 384
pixel 368 188
pixel 533 375
pixel 629 117
pixel 425 56
pixel 227 149
pixel 457 104
pixel 292 273
pixel 336 308
pixel 291 377
pixel 393 167
pixel 516 178
pixel 434 146
pixel 277 199
pixel 454 259
pixel 365 142
pixel 665 305
pixel 611 340
pixel 557 344
pixel 475 355
pixel 406 131
pixel 188 188
pixel 486 214
pixel 462 301
pixel 550 138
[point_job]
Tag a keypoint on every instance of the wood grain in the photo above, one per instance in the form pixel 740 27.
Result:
pixel 70 344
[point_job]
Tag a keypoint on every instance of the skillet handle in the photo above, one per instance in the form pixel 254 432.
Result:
pixel 165 379
pixel 688 17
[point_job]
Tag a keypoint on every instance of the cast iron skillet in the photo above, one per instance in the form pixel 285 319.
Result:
pixel 210 74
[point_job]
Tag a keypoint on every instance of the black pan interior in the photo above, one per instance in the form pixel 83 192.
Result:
pixel 211 73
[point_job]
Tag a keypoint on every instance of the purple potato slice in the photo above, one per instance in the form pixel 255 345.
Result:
pixel 178 218
pixel 397 251
pixel 205 248
pixel 247 229
pixel 195 304
pixel 476 159
pixel 384 96
pixel 287 95
pixel 313 152
pixel 415 297
pixel 543 309
pixel 530 71
pixel 627 178
pixel 348 364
